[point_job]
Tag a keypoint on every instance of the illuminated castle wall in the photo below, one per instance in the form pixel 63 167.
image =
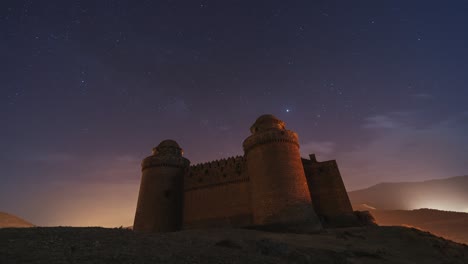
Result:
pixel 270 184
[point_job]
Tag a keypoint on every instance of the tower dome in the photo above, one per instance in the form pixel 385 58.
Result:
pixel 169 143
pixel 266 122
pixel 168 147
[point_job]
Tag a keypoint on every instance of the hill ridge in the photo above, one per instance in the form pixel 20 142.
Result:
pixel 9 220
pixel 411 182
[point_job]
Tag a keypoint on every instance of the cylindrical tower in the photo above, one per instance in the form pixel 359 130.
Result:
pixel 278 184
pixel 159 207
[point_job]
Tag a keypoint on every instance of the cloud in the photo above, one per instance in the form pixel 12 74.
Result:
pixel 174 105
pixel 423 96
pixel 324 149
pixel 112 169
pixel 223 127
pixel 380 121
pixel 52 157
pixel 402 152
pixel 73 167
pixel 127 158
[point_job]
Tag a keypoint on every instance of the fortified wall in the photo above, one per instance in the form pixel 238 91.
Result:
pixel 269 184
pixel 216 194
pixel 328 192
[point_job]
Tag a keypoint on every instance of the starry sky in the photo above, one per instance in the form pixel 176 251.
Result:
pixel 88 88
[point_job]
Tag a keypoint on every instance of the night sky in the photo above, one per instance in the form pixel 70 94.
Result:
pixel 88 88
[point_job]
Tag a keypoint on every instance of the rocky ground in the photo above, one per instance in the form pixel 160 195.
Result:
pixel 351 245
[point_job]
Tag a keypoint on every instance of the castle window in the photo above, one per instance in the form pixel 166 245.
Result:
pixel 167 193
pixel 224 175
pixel 200 179
pixel 206 171
pixel 238 168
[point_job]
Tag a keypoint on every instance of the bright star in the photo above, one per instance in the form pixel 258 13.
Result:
pixel 287 110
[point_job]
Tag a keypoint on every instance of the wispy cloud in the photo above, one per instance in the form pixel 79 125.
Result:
pixel 423 96
pixel 324 149
pixel 127 158
pixel 403 151
pixel 63 167
pixel 52 157
pixel 380 121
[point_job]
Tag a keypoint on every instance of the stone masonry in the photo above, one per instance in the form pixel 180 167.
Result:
pixel 270 184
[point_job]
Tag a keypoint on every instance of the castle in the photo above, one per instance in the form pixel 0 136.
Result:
pixel 270 184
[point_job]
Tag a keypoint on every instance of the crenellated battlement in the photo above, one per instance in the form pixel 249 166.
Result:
pixel 269 136
pixel 215 172
pixel 223 161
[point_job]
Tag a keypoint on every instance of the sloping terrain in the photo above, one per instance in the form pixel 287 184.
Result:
pixel 450 225
pixel 401 203
pixel 351 245
pixel 445 194
pixel 8 220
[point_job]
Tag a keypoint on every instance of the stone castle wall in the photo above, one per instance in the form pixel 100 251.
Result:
pixel 159 195
pixel 216 172
pixel 280 193
pixel 217 194
pixel 159 206
pixel 279 189
pixel 329 196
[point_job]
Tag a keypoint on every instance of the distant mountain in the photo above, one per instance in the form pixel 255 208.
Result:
pixel 445 194
pixel 395 204
pixel 450 225
pixel 8 220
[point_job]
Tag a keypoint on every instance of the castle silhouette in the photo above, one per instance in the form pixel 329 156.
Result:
pixel 270 185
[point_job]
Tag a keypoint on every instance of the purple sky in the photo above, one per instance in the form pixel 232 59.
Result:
pixel 89 87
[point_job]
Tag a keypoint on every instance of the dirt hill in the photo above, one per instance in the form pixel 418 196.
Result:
pixel 8 220
pixel 351 245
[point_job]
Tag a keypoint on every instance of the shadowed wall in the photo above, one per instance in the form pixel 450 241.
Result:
pixel 329 196
pixel 159 207
pixel 217 194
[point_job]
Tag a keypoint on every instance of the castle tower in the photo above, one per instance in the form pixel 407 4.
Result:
pixel 328 192
pixel 278 184
pixel 159 207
